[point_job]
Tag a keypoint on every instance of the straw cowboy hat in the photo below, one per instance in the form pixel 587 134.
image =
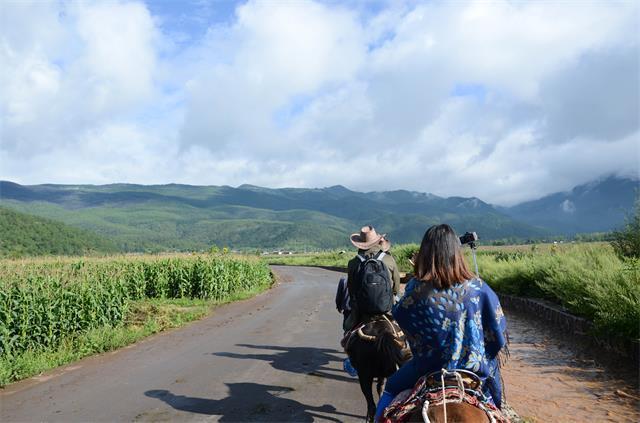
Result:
pixel 368 237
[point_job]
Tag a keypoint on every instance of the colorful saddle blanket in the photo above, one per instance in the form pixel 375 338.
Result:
pixel 426 391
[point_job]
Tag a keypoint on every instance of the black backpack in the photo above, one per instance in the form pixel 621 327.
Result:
pixel 373 287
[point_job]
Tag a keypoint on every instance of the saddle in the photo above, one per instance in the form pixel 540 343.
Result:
pixel 469 380
pixel 439 388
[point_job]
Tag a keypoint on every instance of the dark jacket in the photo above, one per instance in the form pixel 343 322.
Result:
pixel 342 296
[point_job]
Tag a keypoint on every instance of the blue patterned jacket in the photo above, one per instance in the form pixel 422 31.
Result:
pixel 462 327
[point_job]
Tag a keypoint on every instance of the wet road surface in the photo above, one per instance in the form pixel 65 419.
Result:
pixel 551 377
pixel 276 357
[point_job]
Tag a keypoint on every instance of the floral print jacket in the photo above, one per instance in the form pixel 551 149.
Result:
pixel 462 327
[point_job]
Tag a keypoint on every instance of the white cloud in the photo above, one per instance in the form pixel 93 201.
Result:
pixel 514 46
pixel 277 52
pixel 119 56
pixel 568 206
pixel 297 46
pixel 501 100
pixel 89 64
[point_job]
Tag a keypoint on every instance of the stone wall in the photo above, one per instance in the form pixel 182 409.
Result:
pixel 569 324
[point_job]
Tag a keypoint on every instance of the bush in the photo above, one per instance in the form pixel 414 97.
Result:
pixel 402 253
pixel 626 242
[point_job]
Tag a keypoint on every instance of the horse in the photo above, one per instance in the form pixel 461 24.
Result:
pixel 456 413
pixel 376 349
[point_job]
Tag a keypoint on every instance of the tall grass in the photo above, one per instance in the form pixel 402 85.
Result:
pixel 43 302
pixel 403 253
pixel 589 279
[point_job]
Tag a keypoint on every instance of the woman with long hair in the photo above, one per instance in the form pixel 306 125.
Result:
pixel 452 319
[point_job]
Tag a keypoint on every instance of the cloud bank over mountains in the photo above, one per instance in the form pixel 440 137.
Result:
pixel 506 101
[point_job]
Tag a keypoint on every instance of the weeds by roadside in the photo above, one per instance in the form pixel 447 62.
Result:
pixel 589 279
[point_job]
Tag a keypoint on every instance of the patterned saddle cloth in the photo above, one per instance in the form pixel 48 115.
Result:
pixel 429 392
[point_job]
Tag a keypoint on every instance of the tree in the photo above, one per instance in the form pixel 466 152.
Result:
pixel 626 242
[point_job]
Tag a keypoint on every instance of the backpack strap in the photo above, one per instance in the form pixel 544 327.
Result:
pixel 379 256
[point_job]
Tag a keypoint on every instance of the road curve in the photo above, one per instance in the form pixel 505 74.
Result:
pixel 275 357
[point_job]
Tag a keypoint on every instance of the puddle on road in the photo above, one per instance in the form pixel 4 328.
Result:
pixel 554 378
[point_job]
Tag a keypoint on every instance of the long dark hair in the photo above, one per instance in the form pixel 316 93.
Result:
pixel 440 261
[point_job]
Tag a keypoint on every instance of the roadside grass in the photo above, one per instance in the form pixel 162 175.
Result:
pixel 339 258
pixel 588 279
pixel 145 317
pixel 328 258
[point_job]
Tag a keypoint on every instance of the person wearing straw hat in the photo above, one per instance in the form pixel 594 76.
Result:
pixel 370 244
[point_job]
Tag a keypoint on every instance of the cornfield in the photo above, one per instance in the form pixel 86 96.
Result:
pixel 44 301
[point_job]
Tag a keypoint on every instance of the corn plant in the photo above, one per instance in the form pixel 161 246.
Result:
pixel 43 301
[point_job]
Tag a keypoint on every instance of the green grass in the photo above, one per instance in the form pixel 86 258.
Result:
pixel 589 279
pixel 339 258
pixel 157 317
pixel 328 258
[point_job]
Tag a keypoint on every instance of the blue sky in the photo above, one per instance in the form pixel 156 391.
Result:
pixel 506 101
pixel 192 17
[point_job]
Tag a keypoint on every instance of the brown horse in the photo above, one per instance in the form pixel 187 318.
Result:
pixel 376 349
pixel 460 405
pixel 456 413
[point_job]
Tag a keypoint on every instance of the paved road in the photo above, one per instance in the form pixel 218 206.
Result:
pixel 275 357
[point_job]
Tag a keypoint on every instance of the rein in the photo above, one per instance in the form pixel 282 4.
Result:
pixel 459 381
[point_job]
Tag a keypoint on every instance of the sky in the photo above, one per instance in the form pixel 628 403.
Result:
pixel 502 100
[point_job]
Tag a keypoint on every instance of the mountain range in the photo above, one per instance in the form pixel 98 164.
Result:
pixel 186 217
pixel 599 206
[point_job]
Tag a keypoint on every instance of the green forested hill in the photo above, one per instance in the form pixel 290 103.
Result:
pixel 25 235
pixel 183 217
pixel 187 218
